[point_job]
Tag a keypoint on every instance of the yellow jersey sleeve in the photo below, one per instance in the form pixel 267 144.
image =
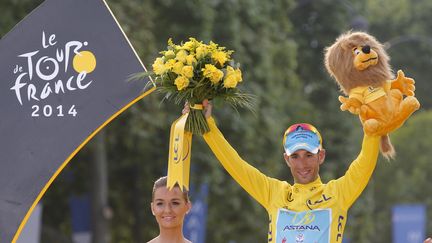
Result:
pixel 351 185
pixel 258 185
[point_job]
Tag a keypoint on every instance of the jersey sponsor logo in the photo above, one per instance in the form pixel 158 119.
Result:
pixel 340 228
pixel 372 89
pixel 300 238
pixel 307 218
pixel 302 227
pixel 270 232
pixel 303 222
pixel 307 226
pixel 323 198
pixel 290 197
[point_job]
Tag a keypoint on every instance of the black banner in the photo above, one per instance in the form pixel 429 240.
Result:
pixel 63 76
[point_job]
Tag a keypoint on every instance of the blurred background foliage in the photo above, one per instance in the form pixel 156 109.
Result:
pixel 279 44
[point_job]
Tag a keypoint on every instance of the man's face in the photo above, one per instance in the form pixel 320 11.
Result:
pixel 304 165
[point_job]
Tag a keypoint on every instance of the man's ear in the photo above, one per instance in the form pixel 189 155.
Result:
pixel 286 157
pixel 321 155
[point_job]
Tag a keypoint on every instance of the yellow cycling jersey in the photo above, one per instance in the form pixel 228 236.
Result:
pixel 367 94
pixel 300 213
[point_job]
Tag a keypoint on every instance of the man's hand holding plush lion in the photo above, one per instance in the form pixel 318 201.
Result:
pixel 360 65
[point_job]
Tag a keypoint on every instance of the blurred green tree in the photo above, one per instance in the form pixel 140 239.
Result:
pixel 14 11
pixel 404 180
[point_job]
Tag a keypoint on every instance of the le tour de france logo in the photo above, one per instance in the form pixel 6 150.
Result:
pixel 54 69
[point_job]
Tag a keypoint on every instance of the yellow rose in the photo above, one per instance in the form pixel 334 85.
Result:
pixel 238 75
pixel 201 51
pixel 181 56
pixel 177 67
pixel 169 64
pixel 208 70
pixel 159 66
pixel 190 60
pixel 190 45
pixel 230 82
pixel 220 57
pixel 213 46
pixel 216 76
pixel 229 71
pixel 187 71
pixel 181 82
pixel 232 77
pixel 170 54
pixel 211 72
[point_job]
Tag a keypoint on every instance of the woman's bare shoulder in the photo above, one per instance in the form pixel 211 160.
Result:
pixel 155 240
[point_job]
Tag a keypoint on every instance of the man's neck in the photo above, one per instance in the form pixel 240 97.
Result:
pixel 306 184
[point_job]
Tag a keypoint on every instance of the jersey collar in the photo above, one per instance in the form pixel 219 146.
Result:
pixel 314 183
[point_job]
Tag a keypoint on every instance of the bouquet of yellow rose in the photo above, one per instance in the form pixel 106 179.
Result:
pixel 194 71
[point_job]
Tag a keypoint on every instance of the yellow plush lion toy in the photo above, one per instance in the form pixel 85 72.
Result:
pixel 360 65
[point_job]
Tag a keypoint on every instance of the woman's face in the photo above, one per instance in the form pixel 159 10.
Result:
pixel 169 207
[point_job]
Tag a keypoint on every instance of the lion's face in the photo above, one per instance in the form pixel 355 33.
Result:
pixel 357 59
pixel 364 57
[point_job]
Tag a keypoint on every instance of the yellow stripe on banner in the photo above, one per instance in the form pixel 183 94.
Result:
pixel 178 154
pixel 38 198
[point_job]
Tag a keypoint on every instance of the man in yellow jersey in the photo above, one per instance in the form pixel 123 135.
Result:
pixel 307 211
